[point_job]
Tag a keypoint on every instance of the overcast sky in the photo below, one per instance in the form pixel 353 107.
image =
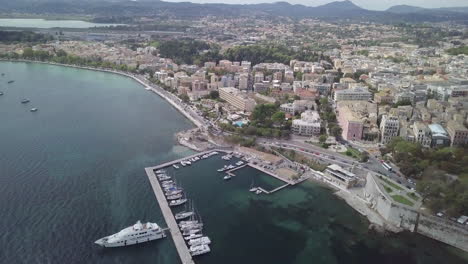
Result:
pixel 368 4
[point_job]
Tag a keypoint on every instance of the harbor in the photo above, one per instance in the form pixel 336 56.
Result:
pixel 170 193
pixel 179 242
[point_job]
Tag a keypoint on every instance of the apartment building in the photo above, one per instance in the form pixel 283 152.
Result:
pixel 237 99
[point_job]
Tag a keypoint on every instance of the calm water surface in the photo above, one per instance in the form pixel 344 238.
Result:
pixel 42 23
pixel 74 172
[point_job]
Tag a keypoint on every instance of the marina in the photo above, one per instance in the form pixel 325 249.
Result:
pixel 187 235
pixel 179 241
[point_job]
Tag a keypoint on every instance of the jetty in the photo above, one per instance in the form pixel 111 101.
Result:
pixel 170 163
pixel 287 182
pixel 179 241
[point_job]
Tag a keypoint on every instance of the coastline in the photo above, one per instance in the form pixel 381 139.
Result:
pixel 354 202
pixel 154 88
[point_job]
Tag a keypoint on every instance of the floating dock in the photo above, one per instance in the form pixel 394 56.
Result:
pixel 179 241
pixel 170 163
pixel 288 183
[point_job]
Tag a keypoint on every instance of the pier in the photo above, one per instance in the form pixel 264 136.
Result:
pixel 170 163
pixel 288 183
pixel 179 241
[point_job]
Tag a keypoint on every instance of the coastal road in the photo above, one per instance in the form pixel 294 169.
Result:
pixel 325 156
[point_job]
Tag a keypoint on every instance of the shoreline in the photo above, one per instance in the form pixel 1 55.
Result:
pixel 156 89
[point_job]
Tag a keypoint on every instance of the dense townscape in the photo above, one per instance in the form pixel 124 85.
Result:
pixel 356 102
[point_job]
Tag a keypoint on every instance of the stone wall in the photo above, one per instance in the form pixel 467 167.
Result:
pixel 411 219
pixel 444 230
pixel 397 215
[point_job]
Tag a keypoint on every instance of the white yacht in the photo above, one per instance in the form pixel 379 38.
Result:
pixel 192 236
pixel 177 202
pixel 138 233
pixel 199 241
pixel 175 166
pixel 227 177
pixel 160 171
pixel 174 196
pixel 199 250
pixel 173 192
pixel 183 215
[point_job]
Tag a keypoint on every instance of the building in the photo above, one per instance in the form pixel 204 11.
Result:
pixel 261 87
pixel 357 118
pixel 458 133
pixel 422 134
pixel 298 106
pixel 259 78
pixel 235 98
pixel 243 82
pixel 389 127
pixel 355 94
pixel 339 176
pixel 384 97
pixel 308 125
pixel 439 136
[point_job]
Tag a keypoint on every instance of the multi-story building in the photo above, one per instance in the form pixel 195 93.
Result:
pixel 298 106
pixel 389 127
pixel 458 133
pixel 308 125
pixel 235 98
pixel 243 81
pixel 422 134
pixel 339 176
pixel 259 78
pixel 384 97
pixel 439 136
pixel 355 94
pixel 261 87
pixel 357 118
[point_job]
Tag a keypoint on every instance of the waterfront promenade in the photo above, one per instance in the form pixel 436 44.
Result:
pixel 179 241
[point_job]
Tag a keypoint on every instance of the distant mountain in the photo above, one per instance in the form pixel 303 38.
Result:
pixel 334 11
pixel 404 9
pixel 407 9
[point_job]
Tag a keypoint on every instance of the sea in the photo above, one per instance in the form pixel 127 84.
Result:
pixel 43 23
pixel 73 172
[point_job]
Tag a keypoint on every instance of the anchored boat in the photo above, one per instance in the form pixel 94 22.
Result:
pixel 136 234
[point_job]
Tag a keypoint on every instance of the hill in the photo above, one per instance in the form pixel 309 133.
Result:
pixel 334 11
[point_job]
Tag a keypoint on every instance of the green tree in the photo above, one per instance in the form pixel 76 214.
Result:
pixel 214 94
pixel 278 117
pixel 322 139
pixel 28 53
pixel 184 98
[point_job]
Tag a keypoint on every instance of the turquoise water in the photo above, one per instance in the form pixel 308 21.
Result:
pixel 42 23
pixel 297 225
pixel 74 172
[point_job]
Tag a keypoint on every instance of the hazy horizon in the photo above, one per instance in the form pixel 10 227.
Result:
pixel 367 4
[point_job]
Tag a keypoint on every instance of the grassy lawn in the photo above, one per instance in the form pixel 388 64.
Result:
pixel 413 196
pixel 402 199
pixel 392 184
pixel 352 152
pixel 387 189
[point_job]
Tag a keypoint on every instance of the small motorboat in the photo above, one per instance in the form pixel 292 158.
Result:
pixel 25 101
pixel 33 110
pixel 227 177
